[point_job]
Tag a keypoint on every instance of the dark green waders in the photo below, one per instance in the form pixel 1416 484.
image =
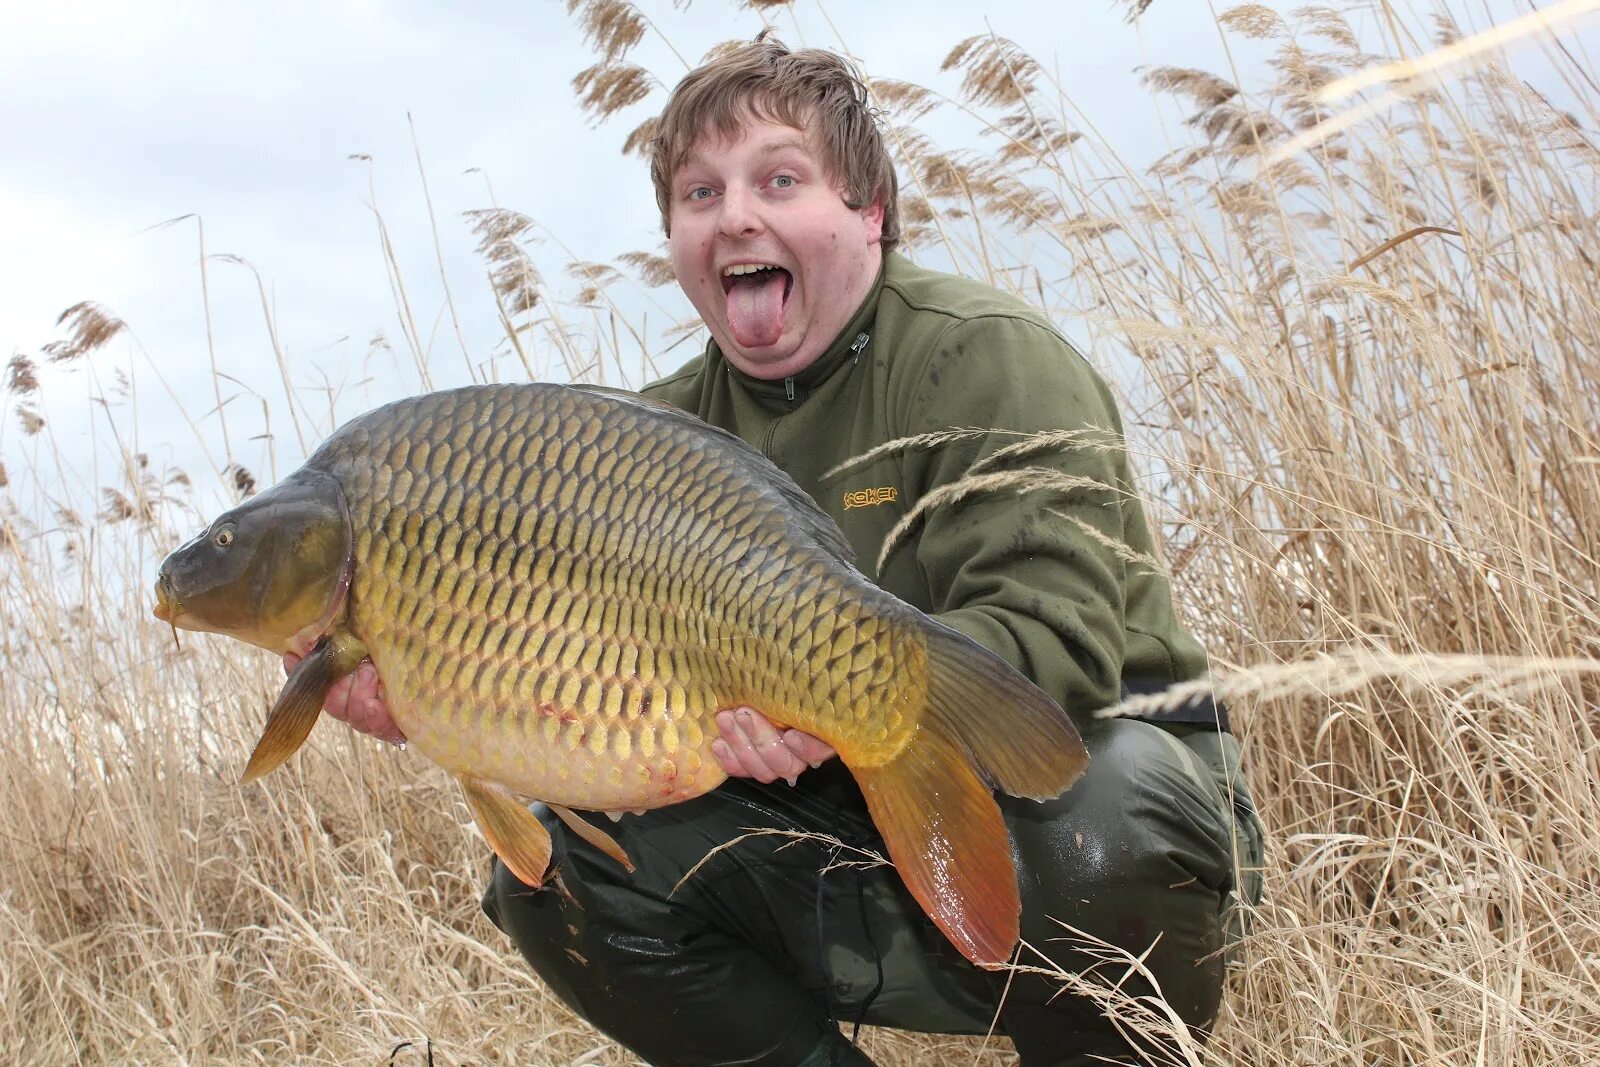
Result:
pixel 771 943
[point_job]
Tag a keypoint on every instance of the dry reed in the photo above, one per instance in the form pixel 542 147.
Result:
pixel 1360 378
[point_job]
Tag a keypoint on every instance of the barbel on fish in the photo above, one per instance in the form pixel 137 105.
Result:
pixel 561 586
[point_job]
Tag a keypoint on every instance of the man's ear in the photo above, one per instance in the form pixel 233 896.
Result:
pixel 872 215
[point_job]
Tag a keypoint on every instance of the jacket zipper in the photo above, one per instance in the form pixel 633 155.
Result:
pixel 857 346
pixel 766 438
pixel 772 427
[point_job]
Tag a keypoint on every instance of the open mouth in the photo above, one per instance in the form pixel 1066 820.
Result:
pixel 757 295
pixel 748 273
pixel 166 608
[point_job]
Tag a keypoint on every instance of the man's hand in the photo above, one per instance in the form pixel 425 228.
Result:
pixel 751 747
pixel 357 699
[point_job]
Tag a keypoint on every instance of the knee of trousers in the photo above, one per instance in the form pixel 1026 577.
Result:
pixel 589 907
pixel 1221 752
pixel 1137 853
pixel 546 923
pixel 643 963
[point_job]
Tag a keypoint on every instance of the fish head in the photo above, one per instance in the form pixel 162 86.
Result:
pixel 273 572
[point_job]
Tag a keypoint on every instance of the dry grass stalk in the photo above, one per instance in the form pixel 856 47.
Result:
pixel 1205 90
pixel 1021 480
pixel 91 326
pixel 612 27
pixel 606 88
pixel 1457 50
pixel 240 481
pixel 1034 446
pixel 902 444
pixel 1378 495
pixel 1339 674
pixel 653 270
pixel 22 375
pixel 518 284
pixel 997 72
pixel 1255 21
pixel 30 419
pixel 1121 549
pixel 638 142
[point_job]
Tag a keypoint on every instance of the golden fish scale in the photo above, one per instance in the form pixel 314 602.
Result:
pixel 561 589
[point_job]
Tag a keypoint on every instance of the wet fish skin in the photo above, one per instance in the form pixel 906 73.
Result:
pixel 562 586
pixel 566 616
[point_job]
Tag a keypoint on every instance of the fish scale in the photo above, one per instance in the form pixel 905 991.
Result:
pixel 562 586
pixel 440 672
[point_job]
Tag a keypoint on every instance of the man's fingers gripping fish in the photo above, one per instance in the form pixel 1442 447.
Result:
pixel 561 586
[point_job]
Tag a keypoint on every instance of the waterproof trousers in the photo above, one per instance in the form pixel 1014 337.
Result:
pixel 773 941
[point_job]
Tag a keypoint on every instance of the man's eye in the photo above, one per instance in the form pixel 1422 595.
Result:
pixel 783 181
pixel 699 192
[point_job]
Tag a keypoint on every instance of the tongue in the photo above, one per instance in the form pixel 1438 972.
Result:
pixel 755 308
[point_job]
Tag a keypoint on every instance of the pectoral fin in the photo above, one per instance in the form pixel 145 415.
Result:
pixel 592 834
pixel 515 833
pixel 298 705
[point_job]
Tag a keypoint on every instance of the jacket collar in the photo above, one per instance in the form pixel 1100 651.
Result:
pixel 787 393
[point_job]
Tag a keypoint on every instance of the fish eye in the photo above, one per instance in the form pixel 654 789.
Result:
pixel 223 537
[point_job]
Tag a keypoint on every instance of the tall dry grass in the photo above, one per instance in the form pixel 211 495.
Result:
pixel 1360 360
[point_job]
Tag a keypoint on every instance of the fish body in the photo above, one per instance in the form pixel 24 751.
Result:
pixel 561 586
pixel 560 590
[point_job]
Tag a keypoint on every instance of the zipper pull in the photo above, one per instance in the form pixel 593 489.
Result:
pixel 788 388
pixel 859 345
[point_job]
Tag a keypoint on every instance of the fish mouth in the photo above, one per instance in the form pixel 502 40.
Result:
pixel 167 608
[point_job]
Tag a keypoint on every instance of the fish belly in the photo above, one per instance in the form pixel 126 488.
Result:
pixel 560 752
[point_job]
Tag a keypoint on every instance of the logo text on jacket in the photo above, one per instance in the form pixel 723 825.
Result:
pixel 866 498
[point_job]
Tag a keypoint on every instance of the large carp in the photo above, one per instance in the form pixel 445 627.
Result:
pixel 561 586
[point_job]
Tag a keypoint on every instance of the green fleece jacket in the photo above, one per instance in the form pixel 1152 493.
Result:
pixel 1032 576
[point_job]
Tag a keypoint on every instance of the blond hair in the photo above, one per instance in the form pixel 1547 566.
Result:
pixel 812 90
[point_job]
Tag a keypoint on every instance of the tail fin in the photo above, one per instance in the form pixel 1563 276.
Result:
pixel 937 816
pixel 949 843
pixel 1019 739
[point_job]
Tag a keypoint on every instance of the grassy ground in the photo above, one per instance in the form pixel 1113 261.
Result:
pixel 1362 369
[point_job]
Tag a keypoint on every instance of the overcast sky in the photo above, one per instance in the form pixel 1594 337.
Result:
pixel 115 117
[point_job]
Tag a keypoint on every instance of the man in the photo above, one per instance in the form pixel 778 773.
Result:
pixel 779 202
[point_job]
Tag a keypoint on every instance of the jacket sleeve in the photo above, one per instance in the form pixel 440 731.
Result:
pixel 1016 571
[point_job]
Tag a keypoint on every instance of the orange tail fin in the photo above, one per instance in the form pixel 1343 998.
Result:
pixel 984 726
pixel 1019 739
pixel 949 843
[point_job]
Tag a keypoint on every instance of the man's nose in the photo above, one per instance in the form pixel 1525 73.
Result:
pixel 741 213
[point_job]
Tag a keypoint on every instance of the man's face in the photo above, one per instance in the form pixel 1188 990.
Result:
pixel 763 199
